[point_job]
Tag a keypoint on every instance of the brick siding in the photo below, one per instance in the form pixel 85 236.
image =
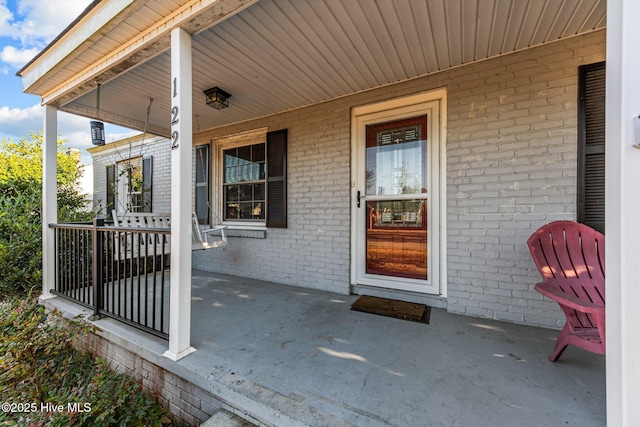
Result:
pixel 161 178
pixel 186 401
pixel 510 167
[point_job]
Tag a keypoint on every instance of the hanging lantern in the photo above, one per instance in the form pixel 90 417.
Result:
pixel 97 127
pixel 97 132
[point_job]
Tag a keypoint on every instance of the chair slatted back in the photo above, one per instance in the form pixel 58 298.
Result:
pixel 567 249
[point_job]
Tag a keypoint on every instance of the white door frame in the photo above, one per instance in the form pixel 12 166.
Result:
pixel 386 111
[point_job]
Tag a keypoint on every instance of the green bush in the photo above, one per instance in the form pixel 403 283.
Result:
pixel 21 205
pixel 39 365
pixel 20 237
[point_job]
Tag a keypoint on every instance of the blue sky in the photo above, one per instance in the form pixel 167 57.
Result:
pixel 26 27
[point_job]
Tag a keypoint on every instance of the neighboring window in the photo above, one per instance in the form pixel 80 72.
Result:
pixel 591 145
pixel 202 184
pixel 134 185
pixel 254 187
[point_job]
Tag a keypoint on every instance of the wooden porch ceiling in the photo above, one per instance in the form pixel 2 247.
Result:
pixel 277 55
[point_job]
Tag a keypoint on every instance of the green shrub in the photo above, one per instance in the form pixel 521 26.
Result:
pixel 20 208
pixel 39 365
pixel 20 236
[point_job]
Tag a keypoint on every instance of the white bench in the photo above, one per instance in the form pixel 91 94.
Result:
pixel 200 238
pixel 142 220
pixel 134 245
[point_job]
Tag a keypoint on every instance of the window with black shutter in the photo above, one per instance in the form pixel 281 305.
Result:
pixel 591 145
pixel 254 180
pixel 130 185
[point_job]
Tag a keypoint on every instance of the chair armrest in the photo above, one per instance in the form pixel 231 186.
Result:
pixel 568 300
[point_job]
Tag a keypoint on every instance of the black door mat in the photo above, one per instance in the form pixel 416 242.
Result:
pixel 393 308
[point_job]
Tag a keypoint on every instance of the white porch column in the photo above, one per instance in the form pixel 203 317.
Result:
pixel 623 213
pixel 181 203
pixel 49 198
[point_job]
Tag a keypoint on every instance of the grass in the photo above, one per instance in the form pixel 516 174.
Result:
pixel 45 380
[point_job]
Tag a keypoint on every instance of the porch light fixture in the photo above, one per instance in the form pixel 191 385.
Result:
pixel 97 132
pixel 97 127
pixel 217 98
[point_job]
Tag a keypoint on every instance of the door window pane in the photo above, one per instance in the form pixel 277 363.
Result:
pixel 396 239
pixel 396 160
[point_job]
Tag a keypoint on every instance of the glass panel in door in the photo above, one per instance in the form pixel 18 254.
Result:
pixel 397 238
pixel 396 192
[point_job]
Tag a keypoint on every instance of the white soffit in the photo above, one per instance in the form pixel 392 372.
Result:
pixel 277 55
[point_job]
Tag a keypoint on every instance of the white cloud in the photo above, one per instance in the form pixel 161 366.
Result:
pixel 40 20
pixel 20 122
pixel 17 57
pixel 35 23
pixel 75 130
pixel 17 122
pixel 5 19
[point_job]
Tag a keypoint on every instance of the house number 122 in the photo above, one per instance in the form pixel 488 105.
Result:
pixel 175 111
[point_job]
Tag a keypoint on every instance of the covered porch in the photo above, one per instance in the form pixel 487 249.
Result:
pixel 279 355
pixel 499 82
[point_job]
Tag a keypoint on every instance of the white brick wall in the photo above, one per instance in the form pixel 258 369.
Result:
pixel 314 250
pixel 511 167
pixel 157 147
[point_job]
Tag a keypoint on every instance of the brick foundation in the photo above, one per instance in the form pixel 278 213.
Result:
pixel 187 402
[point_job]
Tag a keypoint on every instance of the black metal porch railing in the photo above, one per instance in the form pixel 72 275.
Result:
pixel 116 271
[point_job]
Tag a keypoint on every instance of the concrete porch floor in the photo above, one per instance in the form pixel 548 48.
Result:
pixel 289 356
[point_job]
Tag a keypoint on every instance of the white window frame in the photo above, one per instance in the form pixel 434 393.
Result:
pixel 217 197
pixel 123 193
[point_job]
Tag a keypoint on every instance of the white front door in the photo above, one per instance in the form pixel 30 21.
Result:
pixel 397 198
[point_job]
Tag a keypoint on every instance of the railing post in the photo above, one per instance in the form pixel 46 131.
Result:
pixel 96 262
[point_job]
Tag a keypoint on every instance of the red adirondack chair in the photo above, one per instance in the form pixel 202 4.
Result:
pixel 570 258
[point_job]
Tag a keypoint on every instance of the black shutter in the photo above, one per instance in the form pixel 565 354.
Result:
pixel 202 184
pixel 277 179
pixel 147 177
pixel 591 145
pixel 111 191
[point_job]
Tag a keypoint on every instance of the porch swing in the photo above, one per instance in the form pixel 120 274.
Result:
pixel 201 240
pixel 201 237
